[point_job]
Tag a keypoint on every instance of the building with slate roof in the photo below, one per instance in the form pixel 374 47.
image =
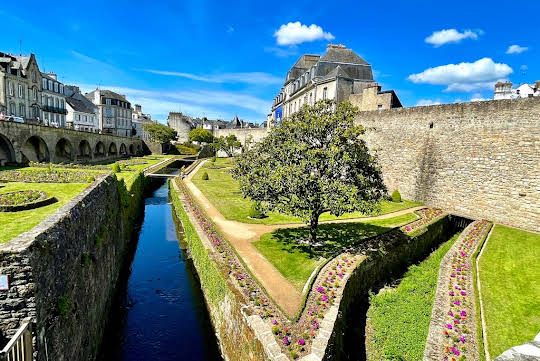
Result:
pixel 339 74
pixel 53 101
pixel 20 87
pixel 82 114
pixel 114 112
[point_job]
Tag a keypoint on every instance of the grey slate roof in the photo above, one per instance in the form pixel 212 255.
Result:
pixel 336 72
pixel 342 55
pixel 79 105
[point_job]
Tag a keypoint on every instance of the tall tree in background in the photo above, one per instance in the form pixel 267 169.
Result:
pixel 200 135
pixel 315 162
pixel 160 133
pixel 228 144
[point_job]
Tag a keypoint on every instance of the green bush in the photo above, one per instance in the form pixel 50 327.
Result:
pixel 213 160
pixel 256 211
pixel 91 179
pixel 116 168
pixel 396 197
pixel 205 176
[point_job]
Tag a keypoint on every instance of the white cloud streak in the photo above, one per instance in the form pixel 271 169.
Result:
pixel 257 78
pixel 464 77
pixel 424 102
pixel 195 103
pixel 446 36
pixel 297 33
pixel 516 49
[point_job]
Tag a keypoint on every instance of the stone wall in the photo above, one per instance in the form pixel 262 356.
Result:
pixel 63 273
pixel 255 134
pixel 479 160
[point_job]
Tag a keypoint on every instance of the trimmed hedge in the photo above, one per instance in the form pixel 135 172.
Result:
pixel 396 196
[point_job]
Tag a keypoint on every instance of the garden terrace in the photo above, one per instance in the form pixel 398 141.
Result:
pixel 306 330
pixel 223 191
pixel 61 182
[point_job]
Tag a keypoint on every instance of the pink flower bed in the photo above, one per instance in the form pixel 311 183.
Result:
pixel 458 334
pixel 427 215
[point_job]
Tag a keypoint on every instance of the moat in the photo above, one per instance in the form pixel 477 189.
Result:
pixel 160 313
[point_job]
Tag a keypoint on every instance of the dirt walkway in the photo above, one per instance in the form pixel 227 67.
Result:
pixel 241 235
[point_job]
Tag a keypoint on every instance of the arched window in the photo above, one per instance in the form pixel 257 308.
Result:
pixel 324 93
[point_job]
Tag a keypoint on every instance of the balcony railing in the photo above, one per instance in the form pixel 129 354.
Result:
pixel 20 347
pixel 49 108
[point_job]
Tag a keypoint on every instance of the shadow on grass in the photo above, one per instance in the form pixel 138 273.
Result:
pixel 334 238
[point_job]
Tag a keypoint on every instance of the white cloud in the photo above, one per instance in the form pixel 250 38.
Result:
pixel 230 30
pixel 523 67
pixel 257 78
pixel 281 52
pixel 516 49
pixel 464 77
pixel 477 97
pixel 195 103
pixel 446 36
pixel 423 102
pixel 296 33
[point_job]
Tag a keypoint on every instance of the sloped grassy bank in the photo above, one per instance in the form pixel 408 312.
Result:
pixel 236 339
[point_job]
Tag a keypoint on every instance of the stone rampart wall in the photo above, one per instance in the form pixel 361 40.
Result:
pixel 64 272
pixel 255 134
pixel 479 160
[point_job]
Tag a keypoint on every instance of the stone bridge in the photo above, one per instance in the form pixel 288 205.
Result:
pixel 21 143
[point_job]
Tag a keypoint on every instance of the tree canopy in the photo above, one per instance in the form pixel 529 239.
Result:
pixel 200 135
pixel 315 162
pixel 227 144
pixel 160 133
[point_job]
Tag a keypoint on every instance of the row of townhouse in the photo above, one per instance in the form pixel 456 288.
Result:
pixel 29 95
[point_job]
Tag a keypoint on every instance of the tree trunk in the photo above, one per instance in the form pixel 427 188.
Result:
pixel 313 225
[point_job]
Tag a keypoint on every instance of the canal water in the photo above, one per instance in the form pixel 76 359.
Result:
pixel 160 314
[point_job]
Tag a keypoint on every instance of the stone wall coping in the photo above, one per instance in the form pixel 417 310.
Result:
pixel 24 240
pixel 486 105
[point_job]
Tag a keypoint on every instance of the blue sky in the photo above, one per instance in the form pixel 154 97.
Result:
pixel 219 59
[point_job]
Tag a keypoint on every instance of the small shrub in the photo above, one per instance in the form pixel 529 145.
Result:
pixel 275 330
pixel 256 211
pixel 116 168
pixel 64 305
pixel 396 197
pixel 91 179
pixel 205 176
pixel 213 160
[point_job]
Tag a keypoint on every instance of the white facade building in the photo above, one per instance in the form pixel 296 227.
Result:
pixel 138 118
pixel 82 114
pixel 53 101
pixel 503 90
pixel 114 112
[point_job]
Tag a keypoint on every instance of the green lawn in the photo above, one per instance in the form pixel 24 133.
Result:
pixel 294 260
pixel 223 191
pixel 510 281
pixel 399 317
pixel 15 223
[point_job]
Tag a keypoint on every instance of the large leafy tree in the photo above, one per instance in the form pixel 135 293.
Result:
pixel 228 144
pixel 200 135
pixel 160 133
pixel 315 162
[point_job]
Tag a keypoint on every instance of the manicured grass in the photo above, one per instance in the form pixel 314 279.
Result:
pixel 510 282
pixel 399 317
pixel 223 191
pixel 294 259
pixel 15 223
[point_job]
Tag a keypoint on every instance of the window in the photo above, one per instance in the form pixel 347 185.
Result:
pixel 44 83
pixel 12 108
pixel 10 86
pixel 49 101
pixel 50 87
pixel 35 94
pixel 56 87
pixel 22 110
pixel 84 118
pixel 324 93
pixel 62 104
pixel 108 101
pixel 379 106
pixel 56 102
pixel 61 89
pixel 34 76
pixel 21 93
pixel 78 117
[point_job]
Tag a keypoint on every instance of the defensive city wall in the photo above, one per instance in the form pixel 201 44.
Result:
pixel 21 142
pixel 477 160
